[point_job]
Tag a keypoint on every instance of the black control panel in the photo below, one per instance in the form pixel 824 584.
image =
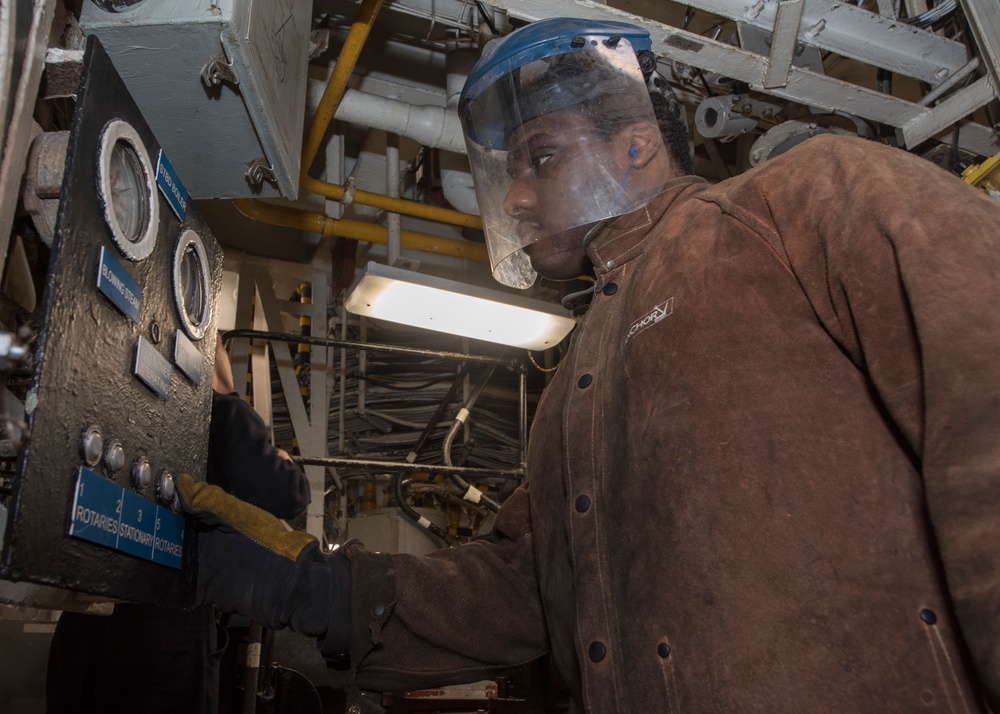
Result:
pixel 121 395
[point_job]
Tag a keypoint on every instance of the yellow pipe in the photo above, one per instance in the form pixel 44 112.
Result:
pixel 393 205
pixel 357 230
pixel 325 112
pixel 334 92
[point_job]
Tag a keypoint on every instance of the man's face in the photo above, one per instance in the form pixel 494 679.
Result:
pixel 559 166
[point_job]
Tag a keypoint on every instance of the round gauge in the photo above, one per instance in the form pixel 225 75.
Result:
pixel 127 190
pixel 192 286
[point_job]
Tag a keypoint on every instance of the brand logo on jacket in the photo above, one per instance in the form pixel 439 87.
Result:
pixel 654 316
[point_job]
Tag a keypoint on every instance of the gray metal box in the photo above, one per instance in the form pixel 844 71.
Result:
pixel 215 134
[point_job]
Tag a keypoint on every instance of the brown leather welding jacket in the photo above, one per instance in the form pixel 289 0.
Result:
pixel 766 476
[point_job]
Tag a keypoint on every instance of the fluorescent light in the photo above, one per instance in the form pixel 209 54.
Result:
pixel 418 300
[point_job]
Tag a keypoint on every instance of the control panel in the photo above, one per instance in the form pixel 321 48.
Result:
pixel 120 400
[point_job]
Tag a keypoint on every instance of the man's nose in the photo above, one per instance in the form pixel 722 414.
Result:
pixel 520 199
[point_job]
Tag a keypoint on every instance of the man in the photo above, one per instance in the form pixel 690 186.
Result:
pixel 145 658
pixel 766 476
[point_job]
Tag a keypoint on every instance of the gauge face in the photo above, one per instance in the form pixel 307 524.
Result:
pixel 127 191
pixel 192 278
pixel 192 286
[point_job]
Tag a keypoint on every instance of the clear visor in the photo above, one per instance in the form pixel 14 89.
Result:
pixel 549 150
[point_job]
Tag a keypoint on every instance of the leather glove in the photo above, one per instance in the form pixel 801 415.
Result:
pixel 250 563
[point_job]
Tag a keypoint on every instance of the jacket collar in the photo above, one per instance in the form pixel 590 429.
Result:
pixel 621 239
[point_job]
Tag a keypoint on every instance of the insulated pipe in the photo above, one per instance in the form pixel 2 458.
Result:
pixel 357 230
pixel 456 178
pixel 428 125
pixel 346 62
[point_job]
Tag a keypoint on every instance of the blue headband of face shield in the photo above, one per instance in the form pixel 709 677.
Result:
pixel 496 78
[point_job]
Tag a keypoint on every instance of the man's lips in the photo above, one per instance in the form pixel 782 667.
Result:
pixel 528 232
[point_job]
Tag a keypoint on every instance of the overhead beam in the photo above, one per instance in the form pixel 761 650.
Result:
pixel 803 86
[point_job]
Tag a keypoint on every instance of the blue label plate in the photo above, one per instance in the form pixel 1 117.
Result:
pixel 96 509
pixel 138 520
pixel 168 541
pixel 118 286
pixel 171 187
pixel 109 515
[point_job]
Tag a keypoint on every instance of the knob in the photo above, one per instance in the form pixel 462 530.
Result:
pixel 114 456
pixel 165 488
pixel 142 473
pixel 91 445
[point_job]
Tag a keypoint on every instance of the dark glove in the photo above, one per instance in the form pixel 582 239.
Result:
pixel 250 563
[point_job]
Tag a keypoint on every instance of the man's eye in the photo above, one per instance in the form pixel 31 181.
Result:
pixel 538 160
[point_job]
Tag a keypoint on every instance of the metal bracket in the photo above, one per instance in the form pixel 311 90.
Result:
pixel 216 71
pixel 258 171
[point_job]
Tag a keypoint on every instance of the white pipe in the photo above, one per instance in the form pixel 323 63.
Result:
pixel 456 178
pixel 430 126
pixel 393 245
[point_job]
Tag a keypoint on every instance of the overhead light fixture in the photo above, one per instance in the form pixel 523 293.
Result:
pixel 410 298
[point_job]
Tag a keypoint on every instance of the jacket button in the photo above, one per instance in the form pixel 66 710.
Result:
pixel 582 503
pixel 663 649
pixel 597 651
pixel 378 610
pixel 610 289
pixel 928 616
pixel 585 381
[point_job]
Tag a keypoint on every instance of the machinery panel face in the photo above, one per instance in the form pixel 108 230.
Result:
pixel 121 394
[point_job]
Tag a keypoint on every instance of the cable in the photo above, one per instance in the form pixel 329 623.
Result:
pixel 486 17
pixel 471 493
pixel 539 367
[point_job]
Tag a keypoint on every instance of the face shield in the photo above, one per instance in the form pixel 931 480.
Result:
pixel 543 113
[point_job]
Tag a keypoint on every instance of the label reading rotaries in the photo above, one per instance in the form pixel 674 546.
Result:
pixel 118 286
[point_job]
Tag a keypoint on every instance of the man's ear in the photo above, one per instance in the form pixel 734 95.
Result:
pixel 645 141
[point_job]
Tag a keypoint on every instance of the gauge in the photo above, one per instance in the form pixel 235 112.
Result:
pixel 127 189
pixel 192 287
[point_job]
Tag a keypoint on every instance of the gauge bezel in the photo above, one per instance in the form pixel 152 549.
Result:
pixel 115 131
pixel 194 330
